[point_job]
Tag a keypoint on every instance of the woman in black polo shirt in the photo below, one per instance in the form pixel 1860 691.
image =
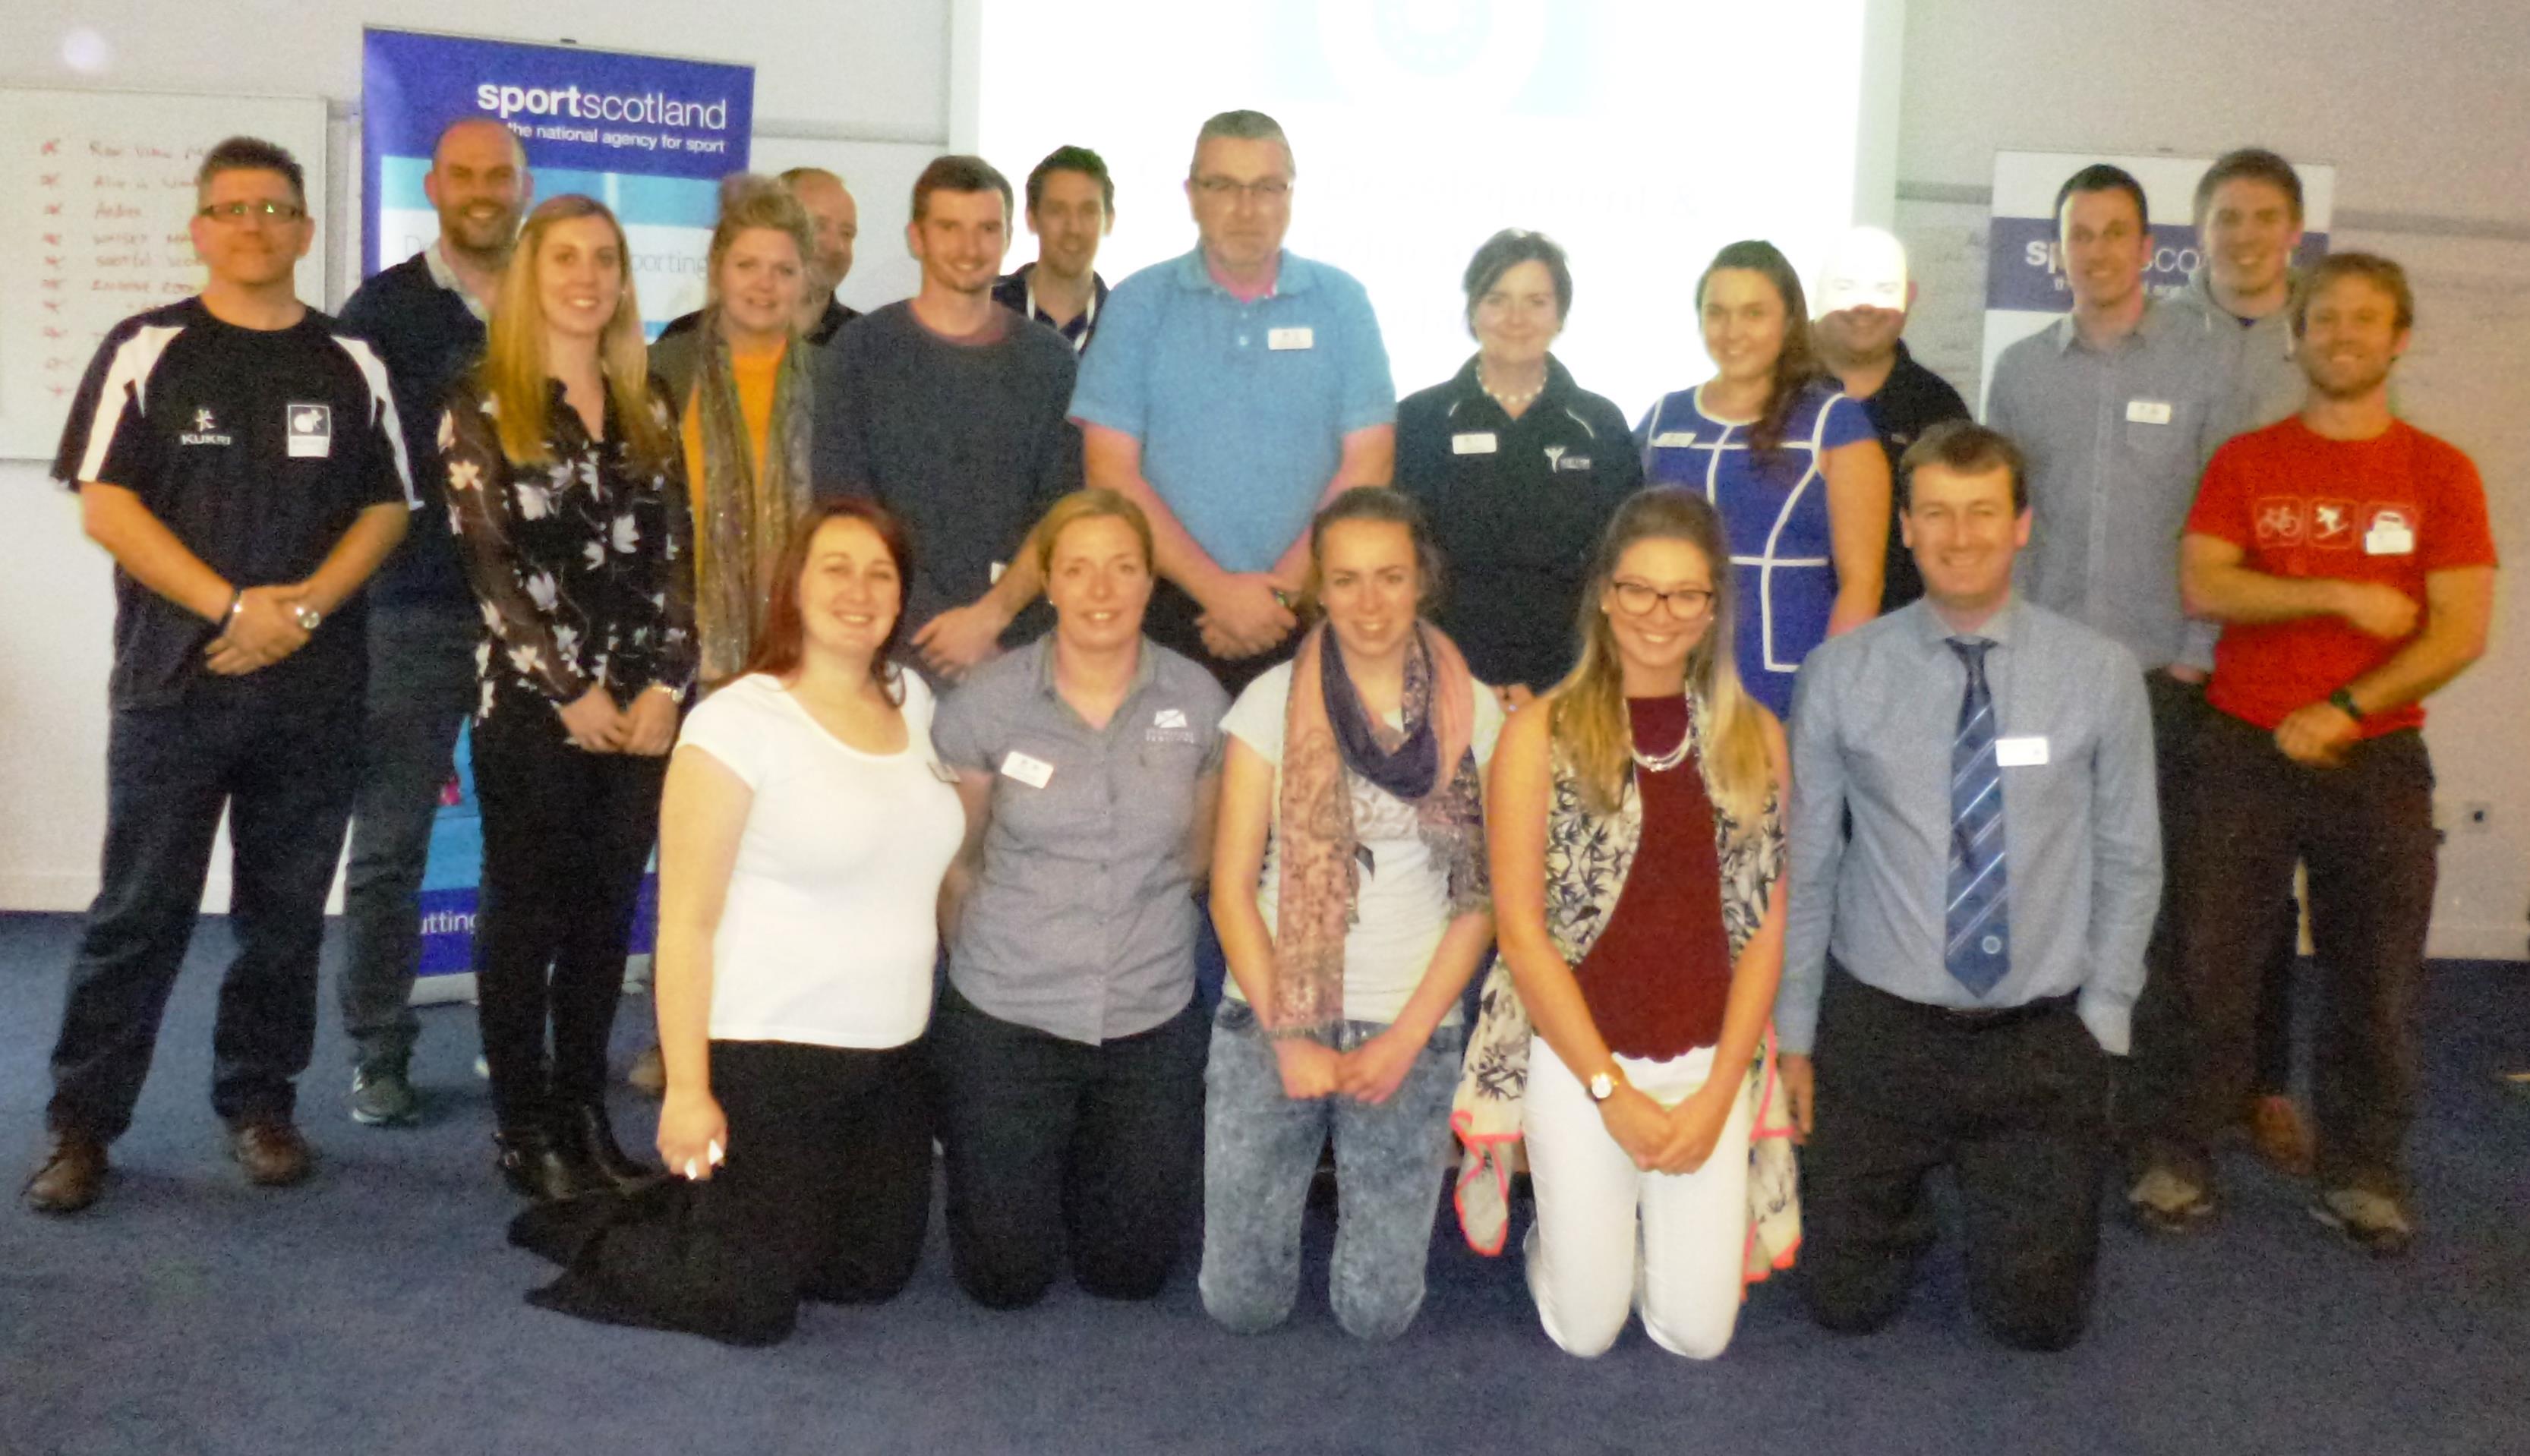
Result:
pixel 1517 468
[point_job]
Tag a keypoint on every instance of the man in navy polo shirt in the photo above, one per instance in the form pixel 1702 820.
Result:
pixel 1233 389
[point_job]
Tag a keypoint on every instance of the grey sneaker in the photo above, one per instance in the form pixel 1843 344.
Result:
pixel 382 1094
pixel 2372 1222
pixel 2166 1201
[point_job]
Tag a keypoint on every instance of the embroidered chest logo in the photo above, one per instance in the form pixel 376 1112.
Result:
pixel 205 431
pixel 1554 456
pixel 1169 725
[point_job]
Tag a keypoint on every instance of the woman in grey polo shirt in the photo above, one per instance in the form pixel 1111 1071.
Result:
pixel 1069 1047
pixel 1348 884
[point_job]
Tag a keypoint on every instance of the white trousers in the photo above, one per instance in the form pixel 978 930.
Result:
pixel 1610 1237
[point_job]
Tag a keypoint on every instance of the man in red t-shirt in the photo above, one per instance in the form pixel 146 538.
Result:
pixel 2347 554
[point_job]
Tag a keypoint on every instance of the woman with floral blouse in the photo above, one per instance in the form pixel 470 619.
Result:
pixel 567 497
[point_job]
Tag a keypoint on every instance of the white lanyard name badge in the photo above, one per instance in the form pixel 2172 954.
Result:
pixel 1036 773
pixel 310 431
pixel 1300 336
pixel 1473 442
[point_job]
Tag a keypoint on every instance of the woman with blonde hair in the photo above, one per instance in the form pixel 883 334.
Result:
pixel 744 386
pixel 1637 851
pixel 565 487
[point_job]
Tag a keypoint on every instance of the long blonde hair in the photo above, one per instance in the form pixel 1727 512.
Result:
pixel 1592 729
pixel 513 371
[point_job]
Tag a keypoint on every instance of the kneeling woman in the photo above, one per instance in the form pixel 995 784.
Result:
pixel 806 830
pixel 1068 1050
pixel 1348 887
pixel 1638 861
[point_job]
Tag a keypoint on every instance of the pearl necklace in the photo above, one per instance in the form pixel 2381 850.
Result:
pixel 1663 763
pixel 1509 402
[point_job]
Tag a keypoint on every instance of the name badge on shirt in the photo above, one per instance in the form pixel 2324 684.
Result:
pixel 1036 773
pixel 2391 535
pixel 2021 753
pixel 1302 337
pixel 2147 411
pixel 1473 442
pixel 310 430
pixel 1673 439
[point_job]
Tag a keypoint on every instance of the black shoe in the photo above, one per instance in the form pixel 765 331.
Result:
pixel 535 1168
pixel 588 1140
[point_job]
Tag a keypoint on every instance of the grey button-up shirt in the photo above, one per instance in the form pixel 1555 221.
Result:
pixel 1081 922
pixel 1873 717
pixel 2116 442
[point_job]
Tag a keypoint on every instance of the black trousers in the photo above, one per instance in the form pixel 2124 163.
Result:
pixel 2365 830
pixel 1171 621
pixel 2150 1082
pixel 565 836
pixel 1056 1146
pixel 825 1196
pixel 284 773
pixel 2014 1103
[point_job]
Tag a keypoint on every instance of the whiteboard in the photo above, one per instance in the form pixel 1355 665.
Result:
pixel 97 190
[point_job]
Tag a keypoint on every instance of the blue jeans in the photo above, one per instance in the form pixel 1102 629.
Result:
pixel 283 770
pixel 422 686
pixel 1259 1148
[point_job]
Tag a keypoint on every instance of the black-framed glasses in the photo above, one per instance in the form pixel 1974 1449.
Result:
pixel 1637 599
pixel 1264 190
pixel 269 212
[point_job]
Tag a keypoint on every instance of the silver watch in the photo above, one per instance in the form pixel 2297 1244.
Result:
pixel 309 618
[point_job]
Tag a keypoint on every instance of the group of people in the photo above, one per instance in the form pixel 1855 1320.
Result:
pixel 1805 764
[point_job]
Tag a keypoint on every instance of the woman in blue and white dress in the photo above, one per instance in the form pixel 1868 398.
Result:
pixel 1791 465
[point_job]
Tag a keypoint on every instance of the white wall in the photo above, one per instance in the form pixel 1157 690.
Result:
pixel 2420 108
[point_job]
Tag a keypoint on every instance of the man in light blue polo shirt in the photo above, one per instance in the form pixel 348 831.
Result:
pixel 1233 389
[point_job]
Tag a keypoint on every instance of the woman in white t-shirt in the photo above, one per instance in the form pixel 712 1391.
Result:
pixel 1348 886
pixel 805 833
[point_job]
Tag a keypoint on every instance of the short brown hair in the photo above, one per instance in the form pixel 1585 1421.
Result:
pixel 2380 272
pixel 1090 504
pixel 960 174
pixel 252 154
pixel 1964 447
pixel 747 202
pixel 2250 164
pixel 779 645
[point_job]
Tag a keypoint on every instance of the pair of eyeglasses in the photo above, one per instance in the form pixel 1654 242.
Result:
pixel 270 212
pixel 1637 599
pixel 1267 189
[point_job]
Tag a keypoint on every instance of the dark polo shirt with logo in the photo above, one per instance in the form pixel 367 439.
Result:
pixel 256 448
pixel 1912 401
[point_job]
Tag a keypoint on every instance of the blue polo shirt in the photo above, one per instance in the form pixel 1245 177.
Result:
pixel 1240 408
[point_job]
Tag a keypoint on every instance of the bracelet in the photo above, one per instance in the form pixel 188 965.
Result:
pixel 237 603
pixel 1292 1034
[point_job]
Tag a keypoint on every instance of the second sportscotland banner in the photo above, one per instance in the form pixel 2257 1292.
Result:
pixel 650 137
pixel 2025 288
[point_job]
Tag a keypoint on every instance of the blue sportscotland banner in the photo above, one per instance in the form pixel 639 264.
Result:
pixel 649 136
pixel 2025 288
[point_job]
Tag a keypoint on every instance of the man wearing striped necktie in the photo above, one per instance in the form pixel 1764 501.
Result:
pixel 1961 964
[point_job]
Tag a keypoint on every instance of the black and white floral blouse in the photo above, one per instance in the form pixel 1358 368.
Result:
pixel 581 566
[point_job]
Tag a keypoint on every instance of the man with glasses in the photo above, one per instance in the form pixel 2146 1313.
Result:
pixel 242 461
pixel 1235 389
pixel 1958 971
pixel 425 317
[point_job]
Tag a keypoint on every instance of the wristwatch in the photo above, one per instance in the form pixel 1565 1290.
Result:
pixel 309 618
pixel 2343 701
pixel 1603 1086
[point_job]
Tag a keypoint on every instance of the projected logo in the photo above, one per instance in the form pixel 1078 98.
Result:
pixel 1475 55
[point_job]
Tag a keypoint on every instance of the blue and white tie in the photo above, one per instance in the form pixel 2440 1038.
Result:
pixel 1978 946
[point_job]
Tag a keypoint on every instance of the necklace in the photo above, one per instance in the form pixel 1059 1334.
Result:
pixel 1661 763
pixel 1509 402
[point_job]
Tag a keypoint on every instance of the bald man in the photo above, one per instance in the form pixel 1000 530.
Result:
pixel 425 316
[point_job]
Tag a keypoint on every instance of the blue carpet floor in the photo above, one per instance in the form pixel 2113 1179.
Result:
pixel 377 1310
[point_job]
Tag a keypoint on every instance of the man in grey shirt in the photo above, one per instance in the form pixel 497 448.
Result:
pixel 2248 227
pixel 1958 970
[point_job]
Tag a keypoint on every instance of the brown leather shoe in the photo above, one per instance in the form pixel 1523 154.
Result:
pixel 2277 1134
pixel 71 1175
pixel 273 1153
